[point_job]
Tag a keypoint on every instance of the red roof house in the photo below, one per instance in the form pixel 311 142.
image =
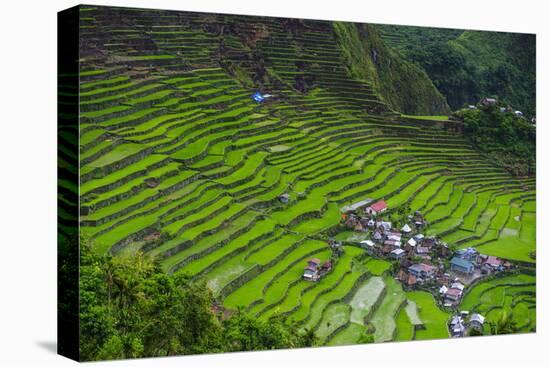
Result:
pixel 377 207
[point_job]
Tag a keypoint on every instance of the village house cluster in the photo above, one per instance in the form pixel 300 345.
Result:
pixel 465 266
pixel 463 324
pixel 424 261
pixel 469 261
pixel 486 102
pixel 314 270
pixel 406 243
pixel 385 240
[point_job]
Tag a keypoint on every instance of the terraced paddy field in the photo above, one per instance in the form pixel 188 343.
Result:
pixel 178 161
pixel 513 295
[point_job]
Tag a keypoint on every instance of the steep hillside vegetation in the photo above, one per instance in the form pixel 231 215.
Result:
pixel 468 65
pixel 504 64
pixel 509 140
pixel 407 39
pixel 403 85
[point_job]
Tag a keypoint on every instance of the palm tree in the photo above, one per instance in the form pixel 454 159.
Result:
pixel 503 325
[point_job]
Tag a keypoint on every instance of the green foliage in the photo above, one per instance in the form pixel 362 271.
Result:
pixel 503 65
pixel 508 140
pixel 130 308
pixel 475 332
pixel 466 66
pixel 450 72
pixel 366 338
pixel 505 324
pixel 245 333
pixel 403 85
pixel 407 38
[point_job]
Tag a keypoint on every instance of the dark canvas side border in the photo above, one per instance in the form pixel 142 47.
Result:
pixel 68 183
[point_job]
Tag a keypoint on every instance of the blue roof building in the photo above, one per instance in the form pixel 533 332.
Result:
pixel 462 265
pixel 258 97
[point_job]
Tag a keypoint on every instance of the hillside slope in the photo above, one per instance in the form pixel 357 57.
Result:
pixel 468 65
pixel 504 64
pixel 509 140
pixel 399 84
pixel 402 84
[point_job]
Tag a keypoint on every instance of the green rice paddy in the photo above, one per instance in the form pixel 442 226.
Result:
pixel 199 167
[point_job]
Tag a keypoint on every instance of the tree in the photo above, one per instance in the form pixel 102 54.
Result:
pixel 243 332
pixel 507 139
pixel 130 308
pixel 503 325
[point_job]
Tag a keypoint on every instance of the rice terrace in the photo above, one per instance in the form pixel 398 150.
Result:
pixel 304 171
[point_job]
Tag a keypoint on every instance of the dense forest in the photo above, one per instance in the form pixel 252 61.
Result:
pixel 466 66
pixel 130 308
pixel 509 140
